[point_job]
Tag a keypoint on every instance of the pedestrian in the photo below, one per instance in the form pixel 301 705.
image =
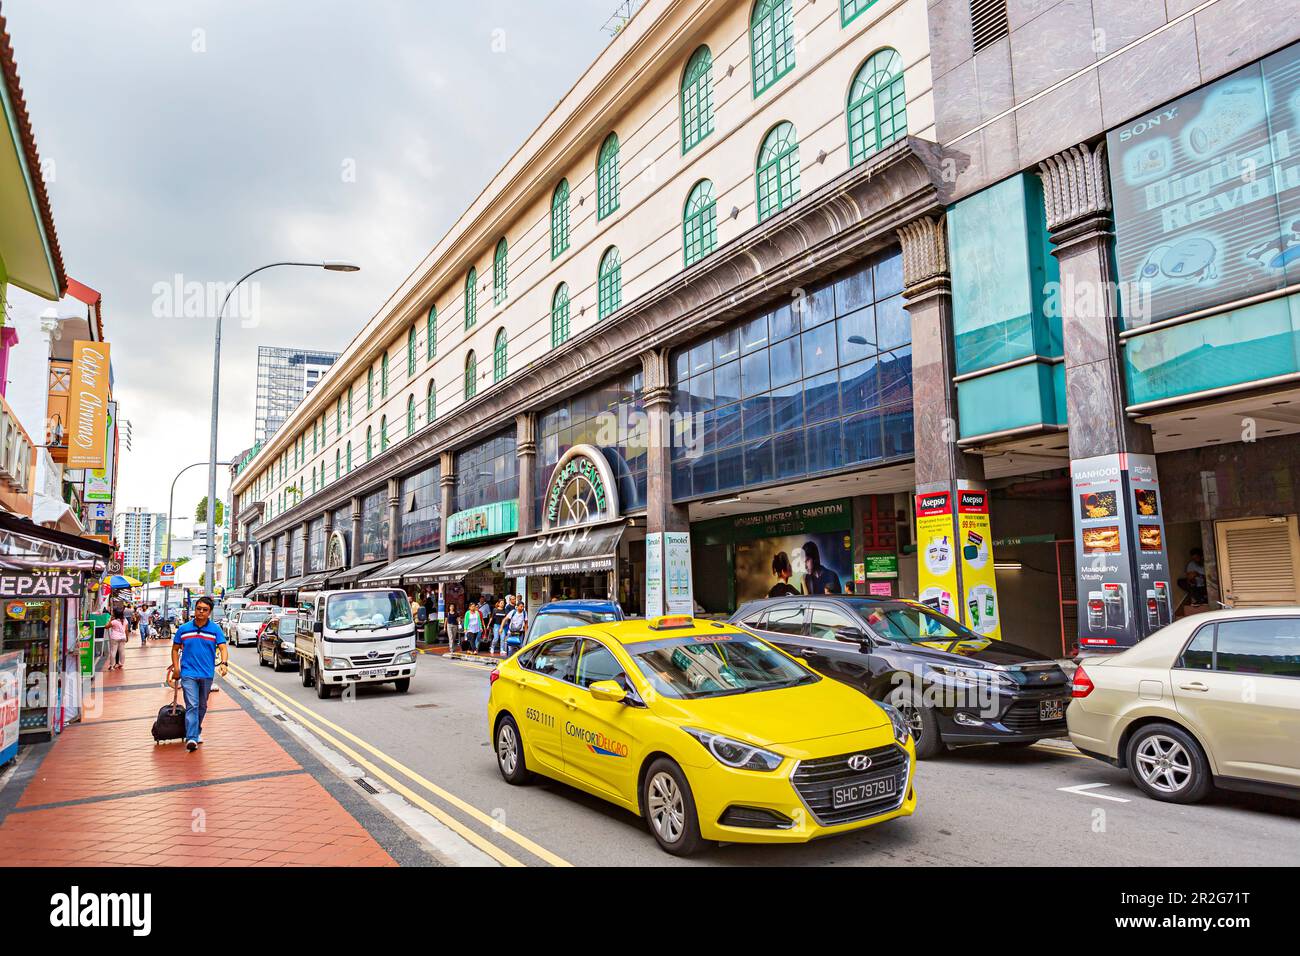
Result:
pixel 144 631
pixel 485 614
pixel 194 663
pixel 516 624
pixel 473 627
pixel 498 627
pixel 117 634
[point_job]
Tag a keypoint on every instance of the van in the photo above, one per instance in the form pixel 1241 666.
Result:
pixel 363 636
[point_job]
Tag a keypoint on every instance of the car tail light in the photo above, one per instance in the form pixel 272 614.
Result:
pixel 492 678
pixel 1082 684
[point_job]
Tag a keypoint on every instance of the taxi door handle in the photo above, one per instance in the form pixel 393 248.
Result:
pixel 1194 685
pixel 571 703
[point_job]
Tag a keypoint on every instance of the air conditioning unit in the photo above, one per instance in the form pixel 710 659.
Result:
pixel 9 437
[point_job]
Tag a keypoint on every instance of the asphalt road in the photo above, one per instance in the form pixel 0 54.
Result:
pixel 976 805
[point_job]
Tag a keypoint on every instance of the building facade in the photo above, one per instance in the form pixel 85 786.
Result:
pixel 284 377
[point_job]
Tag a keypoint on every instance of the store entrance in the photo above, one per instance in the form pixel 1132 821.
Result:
pixel 590 586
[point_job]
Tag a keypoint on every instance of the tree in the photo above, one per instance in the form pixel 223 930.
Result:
pixel 201 512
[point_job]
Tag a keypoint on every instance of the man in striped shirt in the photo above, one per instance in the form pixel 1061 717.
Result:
pixel 194 650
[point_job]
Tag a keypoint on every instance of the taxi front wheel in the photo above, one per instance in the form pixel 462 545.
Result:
pixel 510 752
pixel 669 806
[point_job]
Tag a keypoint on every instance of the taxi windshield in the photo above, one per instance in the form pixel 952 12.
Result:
pixel 722 664
pixel 367 610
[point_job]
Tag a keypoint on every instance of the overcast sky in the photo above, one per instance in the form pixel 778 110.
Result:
pixel 203 139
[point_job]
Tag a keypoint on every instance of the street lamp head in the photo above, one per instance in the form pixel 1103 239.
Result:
pixel 338 265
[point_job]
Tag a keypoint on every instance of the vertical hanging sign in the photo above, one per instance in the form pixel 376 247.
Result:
pixel 88 405
pixel 978 579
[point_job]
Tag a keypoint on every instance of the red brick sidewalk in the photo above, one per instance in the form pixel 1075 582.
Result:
pixel 105 795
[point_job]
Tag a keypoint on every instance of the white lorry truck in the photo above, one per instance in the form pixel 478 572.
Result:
pixel 364 636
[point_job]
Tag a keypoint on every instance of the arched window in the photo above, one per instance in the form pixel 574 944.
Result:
pixel 771 41
pixel 383 377
pixel 471 376
pixel 313 479
pixel 560 219
pixel 697 98
pixel 607 177
pixel 410 353
pixel 877 111
pixel 499 356
pixel 431 403
pixel 699 222
pixel 610 283
pixel 338 416
pixel 349 406
pixel 314 441
pixel 410 414
pixel 383 433
pixel 431 333
pixel 471 298
pixel 370 388
pixel 370 446
pixel 499 277
pixel 850 9
pixel 349 456
pixel 560 316
pixel 338 464
pixel 778 170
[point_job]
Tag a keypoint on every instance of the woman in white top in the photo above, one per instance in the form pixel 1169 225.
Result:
pixel 116 640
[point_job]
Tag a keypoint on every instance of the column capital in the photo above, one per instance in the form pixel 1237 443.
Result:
pixel 525 429
pixel 654 370
pixel 925 255
pixel 1075 186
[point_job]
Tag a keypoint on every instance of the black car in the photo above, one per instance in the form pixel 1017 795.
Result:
pixel 275 642
pixel 954 686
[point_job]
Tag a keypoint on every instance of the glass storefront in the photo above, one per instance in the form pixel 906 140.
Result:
pixel 818 384
pixel 281 558
pixel 297 552
pixel 487 472
pixel 421 511
pixel 374 526
pixel 34 628
pixel 316 545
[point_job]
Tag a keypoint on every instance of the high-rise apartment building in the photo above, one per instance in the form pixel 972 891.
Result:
pixel 284 377
pixel 141 534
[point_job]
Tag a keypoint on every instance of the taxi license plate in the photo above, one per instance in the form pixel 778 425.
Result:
pixel 856 793
pixel 373 672
pixel 1051 710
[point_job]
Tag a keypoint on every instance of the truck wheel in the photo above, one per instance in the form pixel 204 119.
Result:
pixel 304 673
pixel 402 685
pixel 323 689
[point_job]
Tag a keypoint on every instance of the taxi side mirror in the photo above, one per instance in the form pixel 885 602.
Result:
pixel 608 690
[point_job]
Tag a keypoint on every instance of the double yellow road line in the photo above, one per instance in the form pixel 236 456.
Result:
pixel 379 763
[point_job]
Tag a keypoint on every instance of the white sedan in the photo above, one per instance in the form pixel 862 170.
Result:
pixel 246 625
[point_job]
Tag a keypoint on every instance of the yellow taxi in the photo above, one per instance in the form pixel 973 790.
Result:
pixel 707 731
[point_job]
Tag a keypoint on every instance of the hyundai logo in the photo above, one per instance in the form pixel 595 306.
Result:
pixel 859 762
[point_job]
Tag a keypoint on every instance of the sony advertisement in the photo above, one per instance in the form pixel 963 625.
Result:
pixel 1206 192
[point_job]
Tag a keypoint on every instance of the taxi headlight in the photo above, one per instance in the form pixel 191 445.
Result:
pixel 902 730
pixel 734 753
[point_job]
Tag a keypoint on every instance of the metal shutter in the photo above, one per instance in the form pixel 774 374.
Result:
pixel 1259 559
pixel 988 22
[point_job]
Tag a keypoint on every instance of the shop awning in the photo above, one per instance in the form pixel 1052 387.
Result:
pixel 391 574
pixel 454 565
pixel 354 574
pixel 572 551
pixel 20 535
pixel 312 581
pixel 55 513
pixel 292 584
pixel 269 587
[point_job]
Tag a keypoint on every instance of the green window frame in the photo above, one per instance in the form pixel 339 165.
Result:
pixel 370 388
pixel 410 353
pixel 383 433
pixel 349 462
pixel 877 108
pixel 431 333
pixel 338 464
pixel 700 222
pixel 338 416
pixel 607 177
pixel 500 278
pixel 850 10
pixel 349 406
pixel 560 219
pixel 383 377
pixel 471 376
pixel 431 402
pixel 410 414
pixel 499 356
pixel 609 283
pixel 370 440
pixel 315 441
pixel 313 479
pixel 697 99
pixel 560 316
pixel 777 176
pixel 471 298
pixel 771 42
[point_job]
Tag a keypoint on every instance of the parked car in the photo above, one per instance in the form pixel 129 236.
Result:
pixel 571 613
pixel 1210 700
pixel 277 641
pixel 953 685
pixel 246 625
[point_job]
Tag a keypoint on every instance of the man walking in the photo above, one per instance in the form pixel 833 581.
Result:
pixel 193 661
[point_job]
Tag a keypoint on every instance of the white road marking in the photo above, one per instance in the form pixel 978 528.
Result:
pixel 1085 790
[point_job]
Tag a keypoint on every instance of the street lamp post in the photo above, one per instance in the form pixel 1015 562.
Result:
pixel 171 498
pixel 331 265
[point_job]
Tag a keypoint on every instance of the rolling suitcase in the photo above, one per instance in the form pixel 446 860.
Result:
pixel 170 724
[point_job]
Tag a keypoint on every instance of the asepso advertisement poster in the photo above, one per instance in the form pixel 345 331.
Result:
pixel 978 578
pixel 937 567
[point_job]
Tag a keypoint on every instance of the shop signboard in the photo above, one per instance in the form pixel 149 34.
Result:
pixel 1123 573
pixel 654 575
pixel 581 490
pixel 499 519
pixel 680 595
pixel 86 646
pixel 99 481
pixel 11 695
pixel 881 566
pixel 979 585
pixel 937 567
pixel 1206 193
pixel 88 404
pixel 41 583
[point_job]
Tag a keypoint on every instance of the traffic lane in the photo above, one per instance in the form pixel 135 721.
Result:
pixel 978 806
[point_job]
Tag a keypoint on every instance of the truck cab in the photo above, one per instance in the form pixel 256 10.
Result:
pixel 362 636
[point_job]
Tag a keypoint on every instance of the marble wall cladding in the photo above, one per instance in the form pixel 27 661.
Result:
pixel 1052 48
pixel 1142 78
pixel 1068 115
pixel 1120 22
pixel 1232 33
pixel 1020 12
pixel 1093 409
pixel 1240 480
pixel 950 37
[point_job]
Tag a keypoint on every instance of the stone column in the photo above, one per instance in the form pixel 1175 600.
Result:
pixel 305 531
pixel 656 394
pixel 941 465
pixel 447 486
pixel 394 516
pixel 526 449
pixel 356 531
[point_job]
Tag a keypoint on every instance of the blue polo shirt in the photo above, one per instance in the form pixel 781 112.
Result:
pixel 198 648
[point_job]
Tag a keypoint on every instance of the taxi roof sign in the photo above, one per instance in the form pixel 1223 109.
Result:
pixel 670 621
